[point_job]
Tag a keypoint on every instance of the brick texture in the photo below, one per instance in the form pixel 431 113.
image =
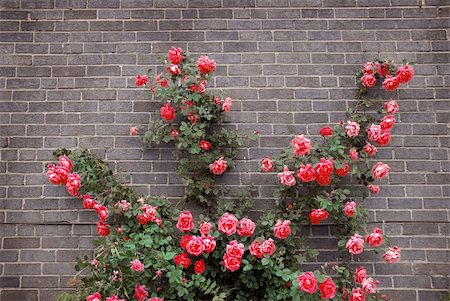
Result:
pixel 66 80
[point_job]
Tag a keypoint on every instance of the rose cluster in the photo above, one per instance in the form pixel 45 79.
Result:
pixel 60 175
pixel 391 75
pixel 308 283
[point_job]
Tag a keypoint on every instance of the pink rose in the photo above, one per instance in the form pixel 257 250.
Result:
pixel 226 106
pixel 235 249
pixel 255 249
pixel 355 244
pixel 232 263
pixel 370 149
pixel 167 112
pixel 374 189
pixel 185 221
pixel 206 65
pixel 325 167
pixel 65 162
pixel 57 174
pixel 88 203
pixel 195 246
pixel 360 274
pixel 267 164
pixel 383 68
pixel 102 211
pixel 357 295
pixel 380 170
pixel 246 227
pixel 137 265
pixel 155 299
pixel 218 167
pixel 352 129
pixel 182 259
pixel 175 55
pixel 140 292
pixel 391 106
pixel 368 80
pixel 134 131
pixel 94 297
pixel 73 183
pixel 327 289
pixel 114 298
pixel 205 227
pixel 174 133
pixel 391 83
pixel 205 145
pixel 392 255
pixel 306 173
pixel 375 239
pixel 124 205
pixel 373 132
pixel 210 244
pixel 405 73
pixel 387 122
pixel 286 178
pixel 301 145
pixel 384 138
pixel 318 215
pixel 353 154
pixel 268 247
pixel 174 69
pixel 282 229
pixel 103 229
pixel 307 282
pixel 141 80
pixel 217 101
pixel 326 131
pixel 350 209
pixel 227 224
pixel 201 88
pixel 369 286
pixel 368 68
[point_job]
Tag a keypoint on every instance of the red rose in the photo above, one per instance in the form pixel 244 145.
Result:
pixel 374 189
pixel 102 211
pixel 73 183
pixel 368 80
pixel 326 131
pixel 342 172
pixel 255 249
pixel 384 138
pixel 267 164
pixel 141 80
pixel 232 263
pixel 185 221
pixel 306 173
pixel 88 203
pixel 350 209
pixel 206 65
pixel 301 145
pixel 391 106
pixel 405 73
pixel 323 180
pixel 137 265
pixel 370 149
pixel 182 259
pixel 65 162
pixel 164 83
pixel 235 249
pixel 307 282
pixel 167 112
pixel 218 167
pixel 375 239
pixel 205 145
pixel 57 174
pixel 199 266
pixel 357 295
pixel 184 241
pixel 282 230
pixel 387 122
pixel 383 69
pixel 391 83
pixel 94 297
pixel 360 274
pixel 318 215
pixel 195 246
pixel 175 55
pixel 133 131
pixel 103 229
pixel 327 289
pixel 368 68
pixel 325 167
pixel 140 292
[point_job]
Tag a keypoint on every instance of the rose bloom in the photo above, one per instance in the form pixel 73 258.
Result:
pixel 384 139
pixel 235 249
pixel 137 265
pixel 306 173
pixel 380 170
pixel 267 164
pixel 360 274
pixel 195 246
pixel 318 215
pixel 369 286
pixel 342 172
pixel 141 80
pixel 226 106
pixel 218 167
pixel 286 178
pixel 323 180
pixel 57 174
pixel 326 131
pixel 373 132
pixel 350 209
pixel 307 282
pixel 174 134
pixel 368 80
pixel 175 55
pixel 374 189
pixel 205 227
pixel 94 297
pixel 391 83
pixel 88 203
pixel 155 299
pixel 73 183
pixel 301 145
pixel 65 162
pixel 325 167
pixel 217 101
pixel 206 65
pixel 174 69
pixel 391 106
pixel 210 243
pixel 199 266
pixel 368 68
pixel 124 205
pixel 227 224
pixel 167 112
pixel 327 289
pixel 352 129
pixel 355 244
pixel 246 227
pixel 205 145
pixel 255 249
pixel 383 68
pixel 185 221
pixel 405 73
pixel 282 229
pixel 353 154
pixel 133 131
pixel 387 122
pixel 114 298
pixel 182 259
pixel 184 241
pixel 140 292
pixel 103 229
pixel 102 211
pixel 268 247
pixel 232 263
pixel 357 295
pixel 370 149
pixel 201 88
pixel 375 239
pixel 392 255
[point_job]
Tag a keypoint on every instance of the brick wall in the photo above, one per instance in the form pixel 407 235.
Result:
pixel 66 79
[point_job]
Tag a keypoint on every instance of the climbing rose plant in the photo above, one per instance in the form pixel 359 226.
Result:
pixel 149 250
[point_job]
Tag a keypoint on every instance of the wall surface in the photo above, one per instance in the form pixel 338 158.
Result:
pixel 66 80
